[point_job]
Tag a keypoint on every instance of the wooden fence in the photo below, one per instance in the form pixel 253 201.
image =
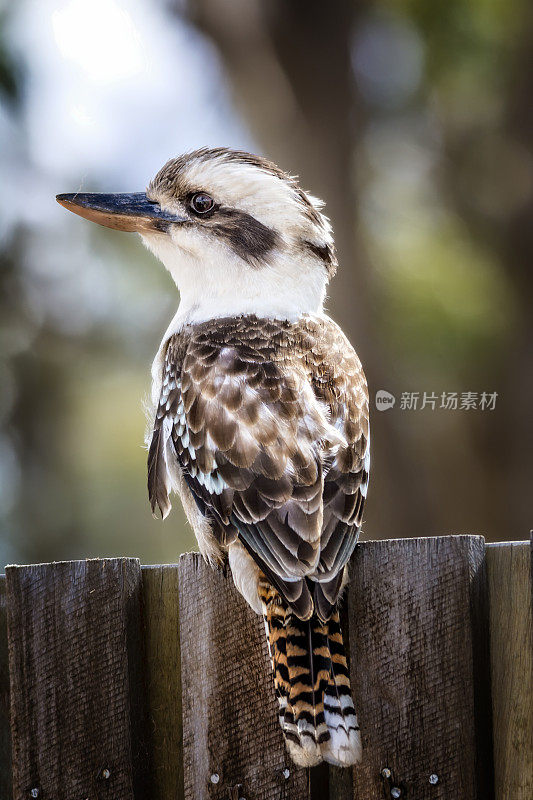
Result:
pixel 94 702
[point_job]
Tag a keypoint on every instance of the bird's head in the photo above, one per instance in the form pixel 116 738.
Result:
pixel 237 234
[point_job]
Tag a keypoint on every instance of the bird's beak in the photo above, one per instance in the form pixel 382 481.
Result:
pixel 124 212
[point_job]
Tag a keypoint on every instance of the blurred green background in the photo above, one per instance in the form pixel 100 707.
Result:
pixel 413 120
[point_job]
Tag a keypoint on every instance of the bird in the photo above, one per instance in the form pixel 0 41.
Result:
pixel 260 414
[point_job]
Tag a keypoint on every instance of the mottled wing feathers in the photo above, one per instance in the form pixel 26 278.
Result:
pixel 158 487
pixel 166 419
pixel 268 422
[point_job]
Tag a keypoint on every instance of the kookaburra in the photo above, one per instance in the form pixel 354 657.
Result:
pixel 260 418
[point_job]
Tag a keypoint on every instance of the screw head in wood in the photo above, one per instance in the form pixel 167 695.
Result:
pixel 385 772
pixel 286 773
pixel 433 779
pixel 215 777
pixel 106 774
pixel 395 792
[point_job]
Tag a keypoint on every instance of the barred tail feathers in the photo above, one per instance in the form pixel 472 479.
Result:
pixel 344 746
pixel 312 685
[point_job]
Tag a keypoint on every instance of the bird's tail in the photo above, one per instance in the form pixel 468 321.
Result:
pixel 312 684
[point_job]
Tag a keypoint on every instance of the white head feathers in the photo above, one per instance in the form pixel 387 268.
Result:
pixel 263 248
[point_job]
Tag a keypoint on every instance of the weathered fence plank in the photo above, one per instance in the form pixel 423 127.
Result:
pixel 232 743
pixel 511 632
pixel 5 736
pixel 76 701
pixel 419 664
pixel 163 674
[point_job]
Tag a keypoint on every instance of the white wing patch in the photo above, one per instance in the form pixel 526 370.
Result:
pixel 366 466
pixel 212 481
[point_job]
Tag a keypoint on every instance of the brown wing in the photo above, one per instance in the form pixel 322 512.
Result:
pixel 247 409
pixel 339 381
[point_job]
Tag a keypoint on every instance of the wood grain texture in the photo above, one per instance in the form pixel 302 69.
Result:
pixel 76 702
pixel 230 725
pixel 511 632
pixel 417 616
pixel 418 646
pixel 163 673
pixel 5 735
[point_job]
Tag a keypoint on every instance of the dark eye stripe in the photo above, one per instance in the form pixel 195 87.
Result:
pixel 247 237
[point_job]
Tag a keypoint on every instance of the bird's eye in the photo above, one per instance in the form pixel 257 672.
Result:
pixel 202 203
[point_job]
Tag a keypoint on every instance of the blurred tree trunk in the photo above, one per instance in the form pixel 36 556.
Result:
pixel 517 252
pixel 505 439
pixel 289 63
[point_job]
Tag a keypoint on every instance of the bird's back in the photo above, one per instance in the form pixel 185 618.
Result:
pixel 272 439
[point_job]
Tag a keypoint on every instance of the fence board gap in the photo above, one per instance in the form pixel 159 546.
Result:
pixel 416 644
pixel 75 652
pixel 163 674
pixel 511 631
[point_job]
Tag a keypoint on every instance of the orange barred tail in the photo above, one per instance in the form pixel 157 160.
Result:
pixel 312 684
